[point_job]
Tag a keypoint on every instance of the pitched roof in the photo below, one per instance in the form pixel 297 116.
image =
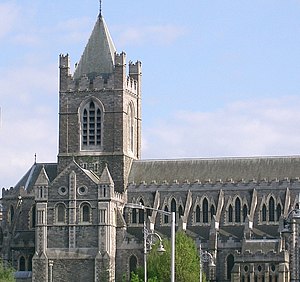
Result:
pixel 237 169
pixel 98 56
pixel 29 179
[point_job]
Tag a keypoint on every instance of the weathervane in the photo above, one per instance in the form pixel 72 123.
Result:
pixel 100 8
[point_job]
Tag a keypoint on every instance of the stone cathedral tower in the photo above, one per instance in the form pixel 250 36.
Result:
pixel 100 109
pixel 79 212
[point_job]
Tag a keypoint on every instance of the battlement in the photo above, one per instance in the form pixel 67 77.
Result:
pixel 218 184
pixel 100 82
pixel 119 196
pixel 135 68
pixel 120 59
pixel 13 192
pixel 95 82
pixel 64 61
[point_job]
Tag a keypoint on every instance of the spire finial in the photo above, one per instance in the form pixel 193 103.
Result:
pixel 100 8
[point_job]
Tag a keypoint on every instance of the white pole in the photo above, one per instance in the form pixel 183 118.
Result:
pixel 145 252
pixel 173 247
pixel 200 252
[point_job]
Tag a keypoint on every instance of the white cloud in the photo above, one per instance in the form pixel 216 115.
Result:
pixel 8 14
pixel 154 35
pixel 76 30
pixel 20 138
pixel 246 128
pixel 28 82
pixel 28 123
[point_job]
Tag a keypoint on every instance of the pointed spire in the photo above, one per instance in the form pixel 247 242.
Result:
pixel 106 177
pixel 99 54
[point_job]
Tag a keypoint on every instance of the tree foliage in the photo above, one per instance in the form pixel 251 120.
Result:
pixel 6 273
pixel 187 261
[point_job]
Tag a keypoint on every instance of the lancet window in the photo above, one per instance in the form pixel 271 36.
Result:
pixel 91 126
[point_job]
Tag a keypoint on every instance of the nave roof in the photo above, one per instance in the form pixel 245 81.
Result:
pixel 215 170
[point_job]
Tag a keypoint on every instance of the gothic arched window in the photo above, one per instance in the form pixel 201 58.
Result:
pixel 264 213
pixel 278 212
pixel 205 210
pixel 91 126
pixel 230 214
pixel 245 212
pixel 132 264
pixel 197 213
pixel 271 209
pixel 237 210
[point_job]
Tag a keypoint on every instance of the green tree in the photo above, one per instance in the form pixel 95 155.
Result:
pixel 135 277
pixel 6 273
pixel 187 266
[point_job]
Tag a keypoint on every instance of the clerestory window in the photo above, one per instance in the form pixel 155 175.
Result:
pixel 91 123
pixel 205 210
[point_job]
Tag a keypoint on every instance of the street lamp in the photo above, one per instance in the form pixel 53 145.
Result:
pixel 291 227
pixel 172 214
pixel 206 256
pixel 149 241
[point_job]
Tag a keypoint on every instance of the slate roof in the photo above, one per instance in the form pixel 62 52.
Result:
pixel 237 169
pixel 99 54
pixel 28 180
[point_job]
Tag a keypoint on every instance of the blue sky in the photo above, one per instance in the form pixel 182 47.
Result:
pixel 220 78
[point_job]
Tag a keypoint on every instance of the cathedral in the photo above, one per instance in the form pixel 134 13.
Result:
pixel 68 221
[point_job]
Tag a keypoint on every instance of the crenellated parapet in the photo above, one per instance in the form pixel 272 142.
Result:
pixel 210 184
pixel 13 192
pixel 98 82
pixel 64 61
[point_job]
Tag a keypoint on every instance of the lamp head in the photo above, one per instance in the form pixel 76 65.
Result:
pixel 161 248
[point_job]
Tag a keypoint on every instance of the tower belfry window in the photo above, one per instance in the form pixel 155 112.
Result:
pixel 91 126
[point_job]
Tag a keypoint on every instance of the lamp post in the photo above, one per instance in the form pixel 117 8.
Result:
pixel 291 227
pixel 206 256
pixel 172 214
pixel 149 242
